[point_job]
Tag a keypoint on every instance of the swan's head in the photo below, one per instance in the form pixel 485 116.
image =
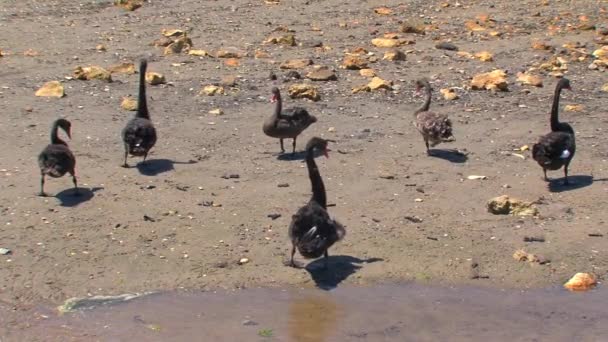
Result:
pixel 66 126
pixel 564 83
pixel 319 144
pixel 276 94
pixel 422 83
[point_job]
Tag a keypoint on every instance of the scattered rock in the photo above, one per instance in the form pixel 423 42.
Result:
pixel 259 54
pixel 386 175
pixel 162 42
pixel 574 108
pixel 228 81
pixel 383 11
pixel 449 94
pixel 505 205
pixel 303 90
pixel 581 282
pixel 394 55
pixel 199 53
pixel 494 80
pixel 367 72
pixel 249 322
pixel 521 255
pixel 92 73
pixel 292 75
pixel 322 74
pixel 122 68
pixel 274 216
pixel 378 83
pixel 282 39
pixel 538 45
pixel 129 5
pixel 390 42
pixel 528 79
pixel 413 28
pixel 211 90
pixel 172 33
pixel 231 176
pixel 605 88
pixel 446 46
pixel 484 56
pixel 414 219
pixel 129 103
pixel 51 89
pixel 296 63
pixel 155 78
pixel 178 45
pixel 283 185
pixel 354 62
pixel 243 261
pixel 534 239
pixel 232 62
pixel 229 53
pixel 216 112
pixel 5 251
pixel 475 177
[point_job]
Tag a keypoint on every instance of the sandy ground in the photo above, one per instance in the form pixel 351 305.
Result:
pixel 101 243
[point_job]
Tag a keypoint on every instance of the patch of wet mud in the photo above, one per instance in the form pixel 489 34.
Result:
pixel 383 313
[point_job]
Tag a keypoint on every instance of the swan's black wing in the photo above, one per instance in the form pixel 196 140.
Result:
pixel 139 135
pixel 56 159
pixel 554 150
pixel 313 231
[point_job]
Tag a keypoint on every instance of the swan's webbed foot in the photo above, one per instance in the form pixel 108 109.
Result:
pixel 42 194
pixel 125 165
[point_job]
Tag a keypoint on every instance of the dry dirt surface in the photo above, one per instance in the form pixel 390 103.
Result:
pixel 182 221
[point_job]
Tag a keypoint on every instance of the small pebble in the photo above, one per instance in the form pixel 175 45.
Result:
pixel 5 251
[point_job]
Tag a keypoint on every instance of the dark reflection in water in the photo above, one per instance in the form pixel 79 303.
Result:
pixel 382 313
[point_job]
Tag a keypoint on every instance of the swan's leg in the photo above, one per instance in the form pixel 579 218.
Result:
pixel 42 193
pixel 545 173
pixel 326 260
pixel 126 155
pixel 145 156
pixel 566 174
pixel 426 142
pixel 282 148
pixel 75 181
pixel 294 144
pixel 293 252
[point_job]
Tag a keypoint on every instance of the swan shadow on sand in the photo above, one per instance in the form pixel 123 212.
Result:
pixel 574 183
pixel 300 155
pixel 453 156
pixel 153 167
pixel 339 268
pixel 69 198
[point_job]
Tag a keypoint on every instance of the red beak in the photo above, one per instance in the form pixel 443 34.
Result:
pixel 326 152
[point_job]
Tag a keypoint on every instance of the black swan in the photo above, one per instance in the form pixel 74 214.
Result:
pixel 312 231
pixel 288 123
pixel 557 148
pixel 56 159
pixel 139 136
pixel 435 128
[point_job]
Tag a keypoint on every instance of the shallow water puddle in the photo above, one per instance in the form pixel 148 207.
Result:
pixel 383 313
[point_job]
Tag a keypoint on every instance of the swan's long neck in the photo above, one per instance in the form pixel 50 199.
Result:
pixel 142 105
pixel 555 124
pixel 427 101
pixel 278 107
pixel 318 188
pixel 55 134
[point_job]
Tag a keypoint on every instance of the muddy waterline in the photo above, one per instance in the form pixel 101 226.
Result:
pixel 410 312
